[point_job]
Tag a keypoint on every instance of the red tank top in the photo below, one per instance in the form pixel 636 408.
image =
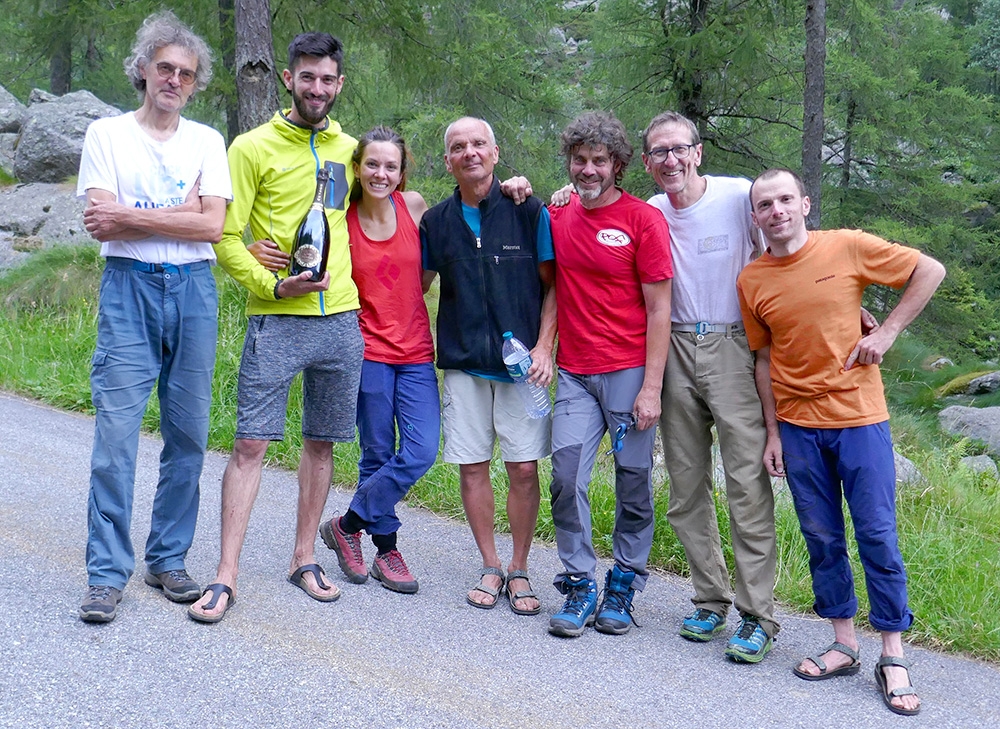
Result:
pixel 394 320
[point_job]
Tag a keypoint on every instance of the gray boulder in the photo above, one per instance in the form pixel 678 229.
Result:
pixel 11 111
pixel 47 211
pixel 981 464
pixel 52 133
pixel 40 96
pixel 984 385
pixel 7 144
pixel 940 363
pixel 980 423
pixel 906 470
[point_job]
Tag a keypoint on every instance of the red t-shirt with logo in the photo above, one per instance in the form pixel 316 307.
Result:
pixel 603 256
pixel 393 318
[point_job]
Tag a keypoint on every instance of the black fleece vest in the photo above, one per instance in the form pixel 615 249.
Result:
pixel 488 286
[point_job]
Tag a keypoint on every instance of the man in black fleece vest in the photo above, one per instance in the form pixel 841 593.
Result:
pixel 495 261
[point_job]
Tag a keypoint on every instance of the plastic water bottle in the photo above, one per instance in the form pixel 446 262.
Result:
pixel 518 360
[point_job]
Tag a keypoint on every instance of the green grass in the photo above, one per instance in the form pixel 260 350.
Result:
pixel 949 525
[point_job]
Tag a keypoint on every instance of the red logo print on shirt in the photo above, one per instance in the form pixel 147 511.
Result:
pixel 613 237
pixel 387 272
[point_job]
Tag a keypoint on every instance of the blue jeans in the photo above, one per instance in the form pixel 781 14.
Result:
pixel 821 463
pixel 153 325
pixel 394 398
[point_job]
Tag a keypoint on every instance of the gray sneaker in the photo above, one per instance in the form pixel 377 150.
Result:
pixel 100 605
pixel 177 585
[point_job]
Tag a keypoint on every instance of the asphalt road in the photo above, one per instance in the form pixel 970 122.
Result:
pixel 374 658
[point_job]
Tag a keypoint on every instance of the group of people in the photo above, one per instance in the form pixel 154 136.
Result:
pixel 759 317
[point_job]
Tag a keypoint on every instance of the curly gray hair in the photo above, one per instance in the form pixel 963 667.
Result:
pixel 595 129
pixel 158 31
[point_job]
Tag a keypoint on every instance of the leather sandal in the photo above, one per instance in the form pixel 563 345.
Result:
pixel 888 696
pixel 824 673
pixel 492 592
pixel 513 597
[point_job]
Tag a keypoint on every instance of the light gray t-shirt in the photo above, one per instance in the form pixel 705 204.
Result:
pixel 710 242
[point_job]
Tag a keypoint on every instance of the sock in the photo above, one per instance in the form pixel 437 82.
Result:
pixel 384 543
pixel 351 523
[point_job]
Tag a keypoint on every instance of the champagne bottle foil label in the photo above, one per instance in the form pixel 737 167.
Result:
pixel 308 256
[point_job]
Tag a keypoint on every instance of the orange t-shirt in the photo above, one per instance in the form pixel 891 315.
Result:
pixel 806 307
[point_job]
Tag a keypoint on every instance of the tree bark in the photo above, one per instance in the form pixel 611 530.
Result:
pixel 256 76
pixel 688 76
pixel 848 153
pixel 812 107
pixel 61 50
pixel 227 39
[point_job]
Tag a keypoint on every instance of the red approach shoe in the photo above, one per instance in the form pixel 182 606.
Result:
pixel 390 569
pixel 348 549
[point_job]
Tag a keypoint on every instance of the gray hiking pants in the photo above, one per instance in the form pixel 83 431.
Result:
pixel 588 406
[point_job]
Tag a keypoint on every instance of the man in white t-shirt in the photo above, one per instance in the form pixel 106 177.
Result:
pixel 156 187
pixel 709 380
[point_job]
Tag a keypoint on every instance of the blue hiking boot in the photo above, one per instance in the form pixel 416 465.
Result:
pixel 578 610
pixel 615 614
pixel 702 625
pixel 749 643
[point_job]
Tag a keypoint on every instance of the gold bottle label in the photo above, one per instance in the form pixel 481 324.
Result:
pixel 307 256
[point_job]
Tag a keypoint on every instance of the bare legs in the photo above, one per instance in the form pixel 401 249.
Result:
pixel 522 514
pixel 240 485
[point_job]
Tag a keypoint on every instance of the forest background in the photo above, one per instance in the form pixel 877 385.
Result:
pixel 909 94
pixel 888 106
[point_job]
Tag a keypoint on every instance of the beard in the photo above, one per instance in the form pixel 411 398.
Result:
pixel 591 194
pixel 307 114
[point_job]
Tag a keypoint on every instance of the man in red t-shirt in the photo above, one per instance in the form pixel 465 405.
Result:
pixel 613 277
pixel 824 407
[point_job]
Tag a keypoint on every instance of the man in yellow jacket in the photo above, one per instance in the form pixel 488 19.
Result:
pixel 296 324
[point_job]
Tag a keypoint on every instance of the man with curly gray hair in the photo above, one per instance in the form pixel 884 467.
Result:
pixel 158 31
pixel 156 186
pixel 613 283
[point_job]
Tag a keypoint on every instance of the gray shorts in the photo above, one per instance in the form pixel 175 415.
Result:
pixel 327 350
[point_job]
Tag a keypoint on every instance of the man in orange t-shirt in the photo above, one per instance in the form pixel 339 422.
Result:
pixel 825 411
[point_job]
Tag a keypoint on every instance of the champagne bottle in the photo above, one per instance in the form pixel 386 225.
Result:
pixel 312 240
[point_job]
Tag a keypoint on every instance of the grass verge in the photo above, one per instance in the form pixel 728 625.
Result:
pixel 949 524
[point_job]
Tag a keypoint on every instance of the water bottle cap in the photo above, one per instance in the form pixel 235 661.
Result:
pixel 508 335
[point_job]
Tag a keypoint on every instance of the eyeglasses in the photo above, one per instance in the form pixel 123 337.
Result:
pixel 660 154
pixel 166 70
pixel 617 441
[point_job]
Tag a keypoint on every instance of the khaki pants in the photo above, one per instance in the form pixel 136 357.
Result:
pixel 711 381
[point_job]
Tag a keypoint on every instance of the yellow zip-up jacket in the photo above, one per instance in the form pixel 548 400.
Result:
pixel 273 168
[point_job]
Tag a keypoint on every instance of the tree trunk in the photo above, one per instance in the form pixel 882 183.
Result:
pixel 61 50
pixel 227 39
pixel 61 68
pixel 812 106
pixel 688 80
pixel 848 153
pixel 256 77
